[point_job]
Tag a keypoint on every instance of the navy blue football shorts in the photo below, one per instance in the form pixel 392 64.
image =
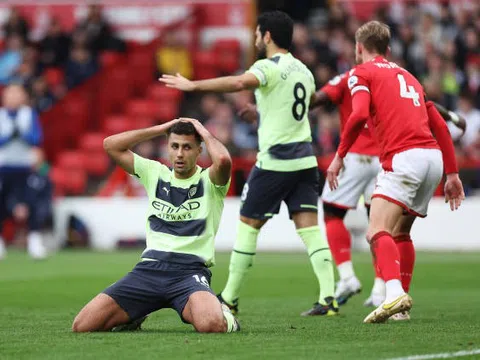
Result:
pixel 265 190
pixel 164 282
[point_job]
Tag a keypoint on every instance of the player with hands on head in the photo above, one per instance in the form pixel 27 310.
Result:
pixel 185 207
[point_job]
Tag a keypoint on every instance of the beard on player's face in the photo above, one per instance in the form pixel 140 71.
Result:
pixel 260 45
pixel 261 52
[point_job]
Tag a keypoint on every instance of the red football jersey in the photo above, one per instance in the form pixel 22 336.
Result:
pixel 398 113
pixel 338 93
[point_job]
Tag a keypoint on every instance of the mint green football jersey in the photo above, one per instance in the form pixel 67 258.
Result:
pixel 183 214
pixel 283 98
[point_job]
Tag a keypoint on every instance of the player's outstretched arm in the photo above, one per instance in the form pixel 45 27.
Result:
pixel 221 160
pixel 221 84
pixel 447 115
pixel 118 146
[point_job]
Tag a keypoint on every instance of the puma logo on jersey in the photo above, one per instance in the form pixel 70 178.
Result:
pixel 166 190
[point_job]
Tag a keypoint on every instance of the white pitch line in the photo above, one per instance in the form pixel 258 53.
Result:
pixel 439 356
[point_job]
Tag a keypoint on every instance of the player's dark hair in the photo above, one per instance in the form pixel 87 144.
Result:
pixel 280 26
pixel 374 36
pixel 184 128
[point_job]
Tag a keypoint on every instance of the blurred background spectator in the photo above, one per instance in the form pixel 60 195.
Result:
pixel 24 194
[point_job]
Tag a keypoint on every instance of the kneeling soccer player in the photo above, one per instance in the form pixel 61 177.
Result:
pixel 185 206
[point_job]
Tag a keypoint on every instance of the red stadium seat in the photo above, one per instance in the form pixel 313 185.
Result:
pixel 72 175
pixel 161 93
pixel 116 124
pixel 92 141
pixel 231 46
pixel 141 108
pixel 97 162
pixel 71 160
pixel 142 68
pixel 143 123
pixel 59 178
pixel 228 53
pixel 77 113
pixel 166 111
pixel 109 58
pixel 205 64
pixel 76 182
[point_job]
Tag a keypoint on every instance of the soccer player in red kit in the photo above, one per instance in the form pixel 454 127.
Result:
pixel 358 178
pixel 391 101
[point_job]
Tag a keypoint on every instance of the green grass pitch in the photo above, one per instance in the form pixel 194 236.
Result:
pixel 38 301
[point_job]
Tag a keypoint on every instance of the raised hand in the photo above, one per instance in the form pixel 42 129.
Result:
pixel 177 82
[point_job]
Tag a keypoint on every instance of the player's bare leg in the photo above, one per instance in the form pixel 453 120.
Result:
pixel 306 224
pixel 102 313
pixel 401 236
pixel 241 260
pixel 208 315
pixel 384 215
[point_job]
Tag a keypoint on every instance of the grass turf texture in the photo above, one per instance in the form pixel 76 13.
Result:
pixel 38 301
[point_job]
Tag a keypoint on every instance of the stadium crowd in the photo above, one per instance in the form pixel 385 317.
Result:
pixel 438 43
pixel 51 62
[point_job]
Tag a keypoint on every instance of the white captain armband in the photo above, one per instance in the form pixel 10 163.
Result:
pixel 359 88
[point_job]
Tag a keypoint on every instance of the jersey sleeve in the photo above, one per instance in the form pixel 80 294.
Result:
pixel 219 191
pixel 146 170
pixel 335 87
pixel 358 80
pixel 263 71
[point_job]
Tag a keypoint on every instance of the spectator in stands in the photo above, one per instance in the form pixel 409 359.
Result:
pixel 221 126
pixel 42 98
pixel 24 75
pixel 16 25
pixel 54 46
pixel 80 66
pixel 11 58
pixel 173 56
pixel 20 135
pixel 99 34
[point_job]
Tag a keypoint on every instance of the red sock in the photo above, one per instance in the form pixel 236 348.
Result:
pixel 378 274
pixel 338 239
pixel 407 259
pixel 386 254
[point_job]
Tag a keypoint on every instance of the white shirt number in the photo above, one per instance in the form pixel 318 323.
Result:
pixel 409 93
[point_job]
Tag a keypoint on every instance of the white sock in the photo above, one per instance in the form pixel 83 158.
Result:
pixel 3 249
pixel 35 246
pixel 230 319
pixel 378 286
pixel 345 270
pixel 393 290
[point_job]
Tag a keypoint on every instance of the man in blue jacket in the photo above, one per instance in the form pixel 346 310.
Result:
pixel 20 136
